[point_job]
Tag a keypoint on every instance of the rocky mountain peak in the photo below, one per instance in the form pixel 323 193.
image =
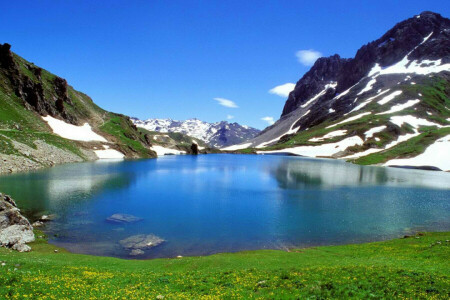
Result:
pixel 424 36
pixel 324 71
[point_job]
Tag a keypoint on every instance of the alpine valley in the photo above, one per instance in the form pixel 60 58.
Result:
pixel 389 105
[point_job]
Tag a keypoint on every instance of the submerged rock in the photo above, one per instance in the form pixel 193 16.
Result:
pixel 15 229
pixel 123 218
pixel 138 243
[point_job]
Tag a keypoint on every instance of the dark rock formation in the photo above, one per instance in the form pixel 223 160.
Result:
pixel 15 229
pixel 325 70
pixel 31 91
pixel 194 148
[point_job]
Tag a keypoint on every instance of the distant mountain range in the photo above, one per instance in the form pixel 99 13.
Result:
pixel 389 105
pixel 219 134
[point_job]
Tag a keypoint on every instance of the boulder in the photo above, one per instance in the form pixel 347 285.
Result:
pixel 194 149
pixel 138 243
pixel 123 218
pixel 15 229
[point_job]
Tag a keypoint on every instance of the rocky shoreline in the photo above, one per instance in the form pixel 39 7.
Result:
pixel 15 230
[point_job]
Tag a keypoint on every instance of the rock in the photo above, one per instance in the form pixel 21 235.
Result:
pixel 159 297
pixel 194 149
pixel 56 251
pixel 38 224
pixel 21 247
pixel 140 242
pixel 123 218
pixel 136 252
pixel 15 229
pixel 47 218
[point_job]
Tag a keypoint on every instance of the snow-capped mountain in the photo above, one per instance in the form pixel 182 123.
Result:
pixel 219 134
pixel 389 105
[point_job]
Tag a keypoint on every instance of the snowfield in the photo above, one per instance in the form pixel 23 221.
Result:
pixel 72 132
pixel 236 147
pixel 436 155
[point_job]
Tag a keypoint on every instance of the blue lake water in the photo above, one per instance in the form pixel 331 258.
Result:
pixel 223 203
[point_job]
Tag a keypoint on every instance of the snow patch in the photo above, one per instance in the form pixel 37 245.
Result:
pixel 437 155
pixel 368 86
pixel 320 150
pixel 400 107
pixel 351 119
pixel 321 93
pixel 161 151
pixel 369 133
pixel 82 133
pixel 109 153
pixel 329 135
pixel 236 147
pixel 389 97
pixel 412 120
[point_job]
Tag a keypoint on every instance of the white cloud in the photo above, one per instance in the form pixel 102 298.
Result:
pixel 226 102
pixel 268 120
pixel 308 57
pixel 229 117
pixel 283 90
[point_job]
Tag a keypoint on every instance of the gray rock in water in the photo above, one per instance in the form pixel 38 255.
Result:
pixel 38 224
pixel 15 229
pixel 47 218
pixel 136 252
pixel 140 242
pixel 123 218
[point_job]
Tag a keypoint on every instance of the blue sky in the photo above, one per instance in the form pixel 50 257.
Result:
pixel 185 59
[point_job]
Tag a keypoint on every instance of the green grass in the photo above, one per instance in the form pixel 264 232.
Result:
pixel 129 139
pixel 413 268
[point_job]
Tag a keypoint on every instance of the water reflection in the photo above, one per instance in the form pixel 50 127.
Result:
pixel 307 173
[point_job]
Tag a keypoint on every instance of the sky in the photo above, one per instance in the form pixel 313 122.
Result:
pixel 211 60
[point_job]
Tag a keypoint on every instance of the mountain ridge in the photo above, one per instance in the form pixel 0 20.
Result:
pixel 400 81
pixel 219 134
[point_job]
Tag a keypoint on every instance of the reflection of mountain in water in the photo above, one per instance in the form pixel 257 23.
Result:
pixel 60 188
pixel 308 173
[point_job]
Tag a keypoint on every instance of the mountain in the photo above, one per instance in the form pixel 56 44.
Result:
pixel 389 105
pixel 44 121
pixel 220 134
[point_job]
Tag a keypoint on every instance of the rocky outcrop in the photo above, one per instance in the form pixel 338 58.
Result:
pixel 15 230
pixel 31 90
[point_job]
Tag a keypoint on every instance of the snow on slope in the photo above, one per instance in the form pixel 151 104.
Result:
pixel 78 133
pixel 161 151
pixel 434 155
pixel 320 150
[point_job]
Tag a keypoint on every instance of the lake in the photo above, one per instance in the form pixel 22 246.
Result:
pixel 224 203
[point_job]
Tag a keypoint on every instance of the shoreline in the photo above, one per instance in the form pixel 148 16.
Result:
pixel 411 267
